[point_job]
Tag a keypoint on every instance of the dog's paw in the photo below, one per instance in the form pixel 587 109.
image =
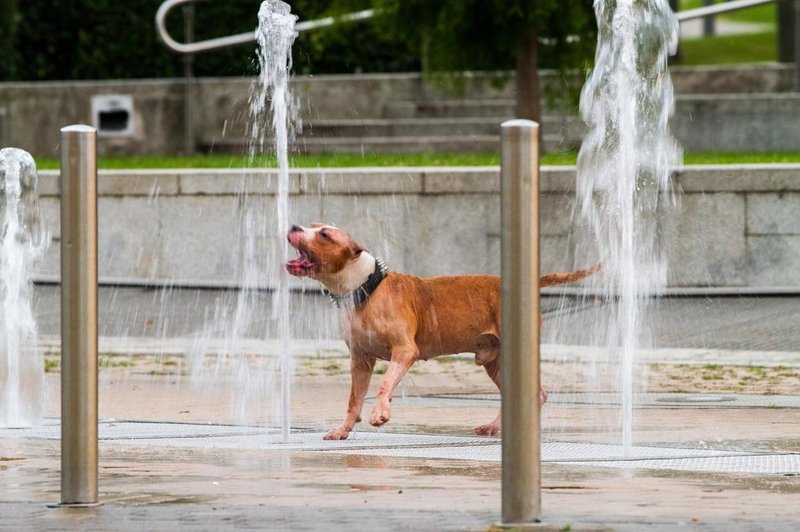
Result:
pixel 489 429
pixel 337 434
pixel 380 415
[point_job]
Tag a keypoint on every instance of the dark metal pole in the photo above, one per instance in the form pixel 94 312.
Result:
pixel 188 94
pixel 521 480
pixel 708 22
pixel 796 45
pixel 784 13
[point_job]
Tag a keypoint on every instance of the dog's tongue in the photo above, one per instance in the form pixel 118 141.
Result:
pixel 299 265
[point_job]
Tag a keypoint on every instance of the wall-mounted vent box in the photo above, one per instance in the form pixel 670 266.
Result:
pixel 112 115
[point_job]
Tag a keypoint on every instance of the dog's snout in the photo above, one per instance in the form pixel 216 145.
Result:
pixel 295 235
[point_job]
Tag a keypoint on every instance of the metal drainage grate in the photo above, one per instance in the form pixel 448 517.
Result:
pixel 199 436
pixel 209 436
pixel 696 399
pixel 643 400
pixel 611 456
pixel 116 430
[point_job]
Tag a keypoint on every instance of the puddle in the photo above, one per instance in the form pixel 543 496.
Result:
pixel 137 498
pixel 369 487
pixel 696 399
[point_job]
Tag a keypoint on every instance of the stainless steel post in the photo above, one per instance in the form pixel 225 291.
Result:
pixel 521 481
pixel 78 315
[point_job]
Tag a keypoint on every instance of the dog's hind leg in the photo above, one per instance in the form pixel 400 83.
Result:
pixel 361 366
pixel 493 370
pixel 487 349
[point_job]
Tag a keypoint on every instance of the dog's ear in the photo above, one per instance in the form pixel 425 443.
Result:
pixel 316 225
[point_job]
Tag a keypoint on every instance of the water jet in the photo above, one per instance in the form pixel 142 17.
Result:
pixel 259 247
pixel 22 241
pixel 624 169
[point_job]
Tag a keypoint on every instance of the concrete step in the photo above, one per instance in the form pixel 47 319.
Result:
pixel 402 127
pixel 569 127
pixel 458 108
pixel 487 107
pixel 408 135
pixel 399 144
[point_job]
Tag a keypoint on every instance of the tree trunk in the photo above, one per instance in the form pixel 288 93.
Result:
pixel 528 90
pixel 786 27
pixel 675 59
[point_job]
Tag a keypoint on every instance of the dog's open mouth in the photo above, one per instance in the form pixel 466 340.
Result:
pixel 304 264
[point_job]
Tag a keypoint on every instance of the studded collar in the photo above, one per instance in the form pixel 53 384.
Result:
pixel 361 294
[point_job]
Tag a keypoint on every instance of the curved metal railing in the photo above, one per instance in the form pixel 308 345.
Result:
pixel 240 38
pixel 716 9
pixel 243 38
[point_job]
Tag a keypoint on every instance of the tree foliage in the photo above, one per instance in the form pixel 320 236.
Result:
pixel 8 14
pixel 490 35
pixel 460 35
pixel 71 39
pixel 106 39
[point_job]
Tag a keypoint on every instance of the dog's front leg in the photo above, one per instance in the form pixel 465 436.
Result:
pixel 403 357
pixel 361 366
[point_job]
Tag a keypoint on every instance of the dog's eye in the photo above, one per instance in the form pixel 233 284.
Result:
pixel 325 235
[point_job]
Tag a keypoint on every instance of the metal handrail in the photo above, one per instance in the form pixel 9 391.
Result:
pixel 244 38
pixel 701 12
pixel 240 38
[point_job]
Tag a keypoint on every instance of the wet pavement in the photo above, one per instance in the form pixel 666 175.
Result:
pixel 154 481
pixel 174 457
pixel 424 446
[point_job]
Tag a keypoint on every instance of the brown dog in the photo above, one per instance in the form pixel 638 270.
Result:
pixel 403 318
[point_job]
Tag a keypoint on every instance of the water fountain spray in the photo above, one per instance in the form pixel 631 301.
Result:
pixel 624 169
pixel 275 35
pixel 259 248
pixel 22 241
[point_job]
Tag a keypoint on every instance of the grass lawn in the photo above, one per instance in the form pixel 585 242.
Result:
pixel 729 49
pixel 732 49
pixel 764 14
pixel 393 159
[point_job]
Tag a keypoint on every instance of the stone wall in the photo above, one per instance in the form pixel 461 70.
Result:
pixel 32 114
pixel 741 115
pixel 738 122
pixel 735 226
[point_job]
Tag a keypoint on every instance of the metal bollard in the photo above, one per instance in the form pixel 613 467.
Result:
pixel 78 316
pixel 521 479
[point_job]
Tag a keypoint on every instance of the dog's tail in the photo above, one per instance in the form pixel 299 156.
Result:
pixel 552 279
